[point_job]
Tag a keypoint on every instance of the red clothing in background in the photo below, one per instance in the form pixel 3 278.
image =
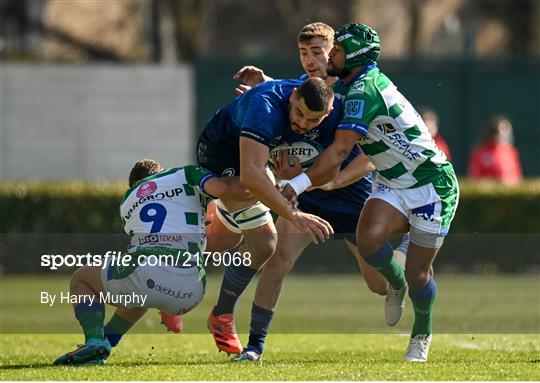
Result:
pixel 443 146
pixel 498 160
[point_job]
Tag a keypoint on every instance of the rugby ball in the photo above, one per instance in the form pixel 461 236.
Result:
pixel 307 152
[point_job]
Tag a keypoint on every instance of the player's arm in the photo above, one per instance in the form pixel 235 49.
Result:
pixel 251 76
pixel 211 185
pixel 253 159
pixel 327 165
pixel 227 187
pixel 354 171
pixel 359 111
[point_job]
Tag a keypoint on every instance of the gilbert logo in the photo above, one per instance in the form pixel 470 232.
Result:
pixel 146 189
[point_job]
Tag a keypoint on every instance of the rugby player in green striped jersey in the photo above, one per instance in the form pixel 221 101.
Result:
pixel 414 189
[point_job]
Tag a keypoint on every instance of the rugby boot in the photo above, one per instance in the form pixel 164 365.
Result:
pixel 223 330
pixel 248 356
pixel 418 348
pixel 394 304
pixel 173 323
pixel 95 351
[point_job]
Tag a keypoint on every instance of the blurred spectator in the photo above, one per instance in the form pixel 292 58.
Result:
pixel 496 157
pixel 432 122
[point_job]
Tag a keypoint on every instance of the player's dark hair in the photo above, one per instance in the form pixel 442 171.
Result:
pixel 143 169
pixel 317 95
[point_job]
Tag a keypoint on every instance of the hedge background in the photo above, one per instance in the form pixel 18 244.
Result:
pixel 496 228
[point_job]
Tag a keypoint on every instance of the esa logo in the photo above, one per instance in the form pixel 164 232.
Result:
pixel 354 108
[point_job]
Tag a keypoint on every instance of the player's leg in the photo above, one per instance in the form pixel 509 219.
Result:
pixel 429 225
pixel 374 280
pixel 291 243
pixel 86 284
pixel 422 292
pixel 379 221
pixel 219 237
pixel 260 239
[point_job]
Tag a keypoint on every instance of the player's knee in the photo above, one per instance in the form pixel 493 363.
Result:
pixel 369 242
pixel 416 278
pixel 261 247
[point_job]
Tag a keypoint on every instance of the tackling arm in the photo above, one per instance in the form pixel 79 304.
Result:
pixel 327 165
pixel 354 171
pixel 253 159
pixel 227 187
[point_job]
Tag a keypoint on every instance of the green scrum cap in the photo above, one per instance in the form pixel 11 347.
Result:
pixel 361 44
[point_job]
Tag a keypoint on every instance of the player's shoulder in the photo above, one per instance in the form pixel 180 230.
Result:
pixel 367 85
pixel 150 184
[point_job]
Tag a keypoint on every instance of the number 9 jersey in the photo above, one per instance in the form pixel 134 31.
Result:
pixel 167 210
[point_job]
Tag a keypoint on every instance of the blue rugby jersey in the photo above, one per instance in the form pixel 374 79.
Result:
pixel 262 114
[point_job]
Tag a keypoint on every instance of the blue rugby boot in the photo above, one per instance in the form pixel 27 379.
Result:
pixel 95 351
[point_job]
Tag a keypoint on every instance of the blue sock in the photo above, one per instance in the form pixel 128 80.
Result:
pixel 116 327
pixel 260 321
pixel 234 283
pixel 423 302
pixel 113 338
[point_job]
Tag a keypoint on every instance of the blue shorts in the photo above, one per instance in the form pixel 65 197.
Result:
pixel 219 159
pixel 344 225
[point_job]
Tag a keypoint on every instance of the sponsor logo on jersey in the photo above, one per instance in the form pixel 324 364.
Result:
pixel 354 108
pixel 160 238
pixel 362 138
pixel 386 128
pixel 175 192
pixel 427 212
pixel 146 189
pixel 167 290
pixel 357 88
pixel 403 146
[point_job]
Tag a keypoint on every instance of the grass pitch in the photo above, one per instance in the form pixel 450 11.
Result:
pixel 351 342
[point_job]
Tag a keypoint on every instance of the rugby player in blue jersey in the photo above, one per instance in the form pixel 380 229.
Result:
pixel 339 201
pixel 236 141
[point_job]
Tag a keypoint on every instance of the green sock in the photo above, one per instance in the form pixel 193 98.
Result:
pixel 423 303
pixel 383 261
pixel 91 317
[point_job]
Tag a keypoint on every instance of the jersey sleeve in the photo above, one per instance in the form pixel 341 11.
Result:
pixel 197 176
pixel 359 108
pixel 260 120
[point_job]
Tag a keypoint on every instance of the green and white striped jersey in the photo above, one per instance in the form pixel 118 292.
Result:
pixel 165 210
pixel 392 133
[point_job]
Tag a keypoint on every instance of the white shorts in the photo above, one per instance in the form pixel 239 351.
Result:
pixel 171 289
pixel 422 206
